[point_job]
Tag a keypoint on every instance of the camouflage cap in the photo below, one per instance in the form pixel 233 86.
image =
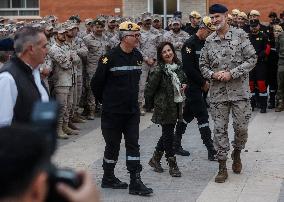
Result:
pixel 157 17
pixel 138 20
pixel 254 12
pixel 98 22
pixel 88 21
pixel 2 19
pixel 176 20
pixel 146 16
pixel 235 11
pixel 230 16
pixel 60 28
pixel 111 18
pixel 277 28
pixel 243 15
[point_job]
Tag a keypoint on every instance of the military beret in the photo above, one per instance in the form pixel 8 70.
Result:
pixel 254 23
pixel 217 8
pixel 129 26
pixel 178 14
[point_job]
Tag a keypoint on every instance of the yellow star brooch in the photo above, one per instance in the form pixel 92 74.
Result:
pixel 104 59
pixel 188 50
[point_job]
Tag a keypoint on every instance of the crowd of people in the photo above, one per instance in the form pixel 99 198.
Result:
pixel 122 68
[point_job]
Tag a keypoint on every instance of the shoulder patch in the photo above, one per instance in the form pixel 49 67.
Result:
pixel 104 60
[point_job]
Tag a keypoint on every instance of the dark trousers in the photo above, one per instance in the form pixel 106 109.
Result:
pixel 195 107
pixel 113 126
pixel 165 142
pixel 272 74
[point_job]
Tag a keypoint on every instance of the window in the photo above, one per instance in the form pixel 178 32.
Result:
pixel 19 7
pixel 158 7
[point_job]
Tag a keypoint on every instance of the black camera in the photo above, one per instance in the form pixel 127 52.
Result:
pixel 44 119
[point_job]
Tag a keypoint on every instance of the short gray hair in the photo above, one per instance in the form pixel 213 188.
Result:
pixel 24 36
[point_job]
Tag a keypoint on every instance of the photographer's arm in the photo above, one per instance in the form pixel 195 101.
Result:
pixel 88 191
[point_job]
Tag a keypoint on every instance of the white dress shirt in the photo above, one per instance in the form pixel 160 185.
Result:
pixel 9 93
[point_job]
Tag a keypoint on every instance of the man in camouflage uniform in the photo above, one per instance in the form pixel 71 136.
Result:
pixel 157 23
pixel 150 39
pixel 226 59
pixel 176 36
pixel 70 43
pixel 280 74
pixel 62 79
pixel 96 43
pixel 111 30
pixel 82 52
pixel 192 27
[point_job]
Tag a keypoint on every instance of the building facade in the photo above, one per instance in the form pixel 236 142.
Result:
pixel 33 9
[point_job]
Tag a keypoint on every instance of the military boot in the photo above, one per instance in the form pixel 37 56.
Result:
pixel 253 102
pixel 280 106
pixel 180 130
pixel 110 181
pixel 223 173
pixel 60 133
pixel 155 161
pixel 271 102
pixel 237 163
pixel 211 153
pixel 68 130
pixel 208 142
pixel 73 126
pixel 137 187
pixel 263 104
pixel 174 170
pixel 78 119
pixel 91 114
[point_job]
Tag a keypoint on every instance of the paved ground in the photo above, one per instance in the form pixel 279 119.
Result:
pixel 262 179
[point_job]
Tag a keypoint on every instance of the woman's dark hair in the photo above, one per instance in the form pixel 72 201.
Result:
pixel 160 59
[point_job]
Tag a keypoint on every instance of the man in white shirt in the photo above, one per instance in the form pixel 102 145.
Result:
pixel 20 83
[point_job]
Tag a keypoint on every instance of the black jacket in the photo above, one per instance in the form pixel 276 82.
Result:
pixel 116 81
pixel 190 59
pixel 28 92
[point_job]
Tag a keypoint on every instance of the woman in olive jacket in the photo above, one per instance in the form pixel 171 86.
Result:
pixel 164 93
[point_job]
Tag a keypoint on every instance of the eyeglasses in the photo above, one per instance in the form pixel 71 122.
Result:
pixel 134 35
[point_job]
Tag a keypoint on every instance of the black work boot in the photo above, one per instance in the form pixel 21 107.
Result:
pixel 136 186
pixel 271 102
pixel 223 173
pixel 180 129
pixel 155 161
pixel 174 170
pixel 211 153
pixel 110 181
pixel 263 103
pixel 208 142
pixel 253 102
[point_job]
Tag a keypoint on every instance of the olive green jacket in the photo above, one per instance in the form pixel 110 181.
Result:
pixel 159 94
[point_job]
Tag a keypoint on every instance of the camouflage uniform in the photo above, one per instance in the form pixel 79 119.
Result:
pixel 71 46
pixel 177 40
pixel 148 47
pixel 96 48
pixel 235 54
pixel 280 73
pixel 62 79
pixel 82 52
